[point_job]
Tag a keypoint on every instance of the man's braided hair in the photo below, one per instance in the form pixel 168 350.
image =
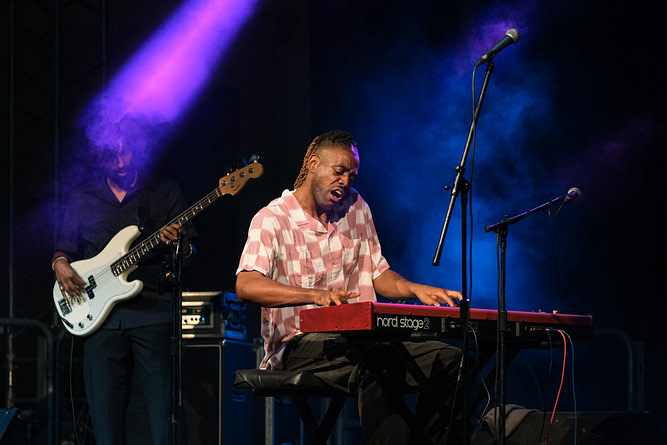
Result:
pixel 335 138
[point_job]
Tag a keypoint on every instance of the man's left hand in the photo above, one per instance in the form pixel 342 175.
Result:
pixel 170 233
pixel 435 296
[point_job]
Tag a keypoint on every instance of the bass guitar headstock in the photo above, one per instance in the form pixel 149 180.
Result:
pixel 233 182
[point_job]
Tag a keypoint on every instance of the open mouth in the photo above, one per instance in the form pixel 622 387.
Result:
pixel 337 194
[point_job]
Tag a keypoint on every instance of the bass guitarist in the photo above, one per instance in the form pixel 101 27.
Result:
pixel 133 341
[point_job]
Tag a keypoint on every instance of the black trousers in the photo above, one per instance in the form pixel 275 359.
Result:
pixel 355 367
pixel 110 358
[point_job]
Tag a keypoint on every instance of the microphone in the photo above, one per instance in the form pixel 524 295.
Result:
pixel 572 194
pixel 511 36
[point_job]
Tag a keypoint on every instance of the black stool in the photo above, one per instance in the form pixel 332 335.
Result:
pixel 298 386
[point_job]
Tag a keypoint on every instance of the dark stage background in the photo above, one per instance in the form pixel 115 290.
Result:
pixel 577 102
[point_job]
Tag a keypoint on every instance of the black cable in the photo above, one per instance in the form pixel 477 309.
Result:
pixel 71 391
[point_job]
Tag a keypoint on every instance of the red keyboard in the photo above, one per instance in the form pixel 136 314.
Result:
pixel 419 320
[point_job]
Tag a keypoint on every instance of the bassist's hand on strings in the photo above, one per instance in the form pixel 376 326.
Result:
pixel 71 284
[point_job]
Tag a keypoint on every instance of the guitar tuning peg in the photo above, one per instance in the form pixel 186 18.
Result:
pixel 254 158
pixel 228 170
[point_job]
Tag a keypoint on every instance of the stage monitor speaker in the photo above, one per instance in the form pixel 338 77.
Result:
pixel 593 428
pixel 11 428
pixel 216 412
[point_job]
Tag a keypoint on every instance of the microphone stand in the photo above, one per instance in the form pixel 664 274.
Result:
pixel 500 228
pixel 461 185
pixel 176 346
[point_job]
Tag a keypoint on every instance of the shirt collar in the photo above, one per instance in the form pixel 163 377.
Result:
pixel 294 208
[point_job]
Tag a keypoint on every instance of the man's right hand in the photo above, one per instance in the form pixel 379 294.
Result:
pixel 329 298
pixel 71 284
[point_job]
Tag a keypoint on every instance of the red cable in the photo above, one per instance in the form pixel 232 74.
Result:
pixel 560 388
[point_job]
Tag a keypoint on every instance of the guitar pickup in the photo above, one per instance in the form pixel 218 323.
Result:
pixel 65 307
pixel 91 285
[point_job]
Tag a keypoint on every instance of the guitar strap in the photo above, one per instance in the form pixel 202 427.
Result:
pixel 142 216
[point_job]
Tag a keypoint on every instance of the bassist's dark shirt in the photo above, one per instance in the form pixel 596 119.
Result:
pixel 93 216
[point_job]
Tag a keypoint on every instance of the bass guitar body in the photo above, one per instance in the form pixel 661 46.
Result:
pixel 82 316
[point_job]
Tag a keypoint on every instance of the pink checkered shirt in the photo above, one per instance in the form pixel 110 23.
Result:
pixel 293 248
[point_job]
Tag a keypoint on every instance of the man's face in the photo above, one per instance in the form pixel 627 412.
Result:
pixel 120 167
pixel 336 170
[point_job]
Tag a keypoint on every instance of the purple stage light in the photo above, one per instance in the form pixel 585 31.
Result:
pixel 161 81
